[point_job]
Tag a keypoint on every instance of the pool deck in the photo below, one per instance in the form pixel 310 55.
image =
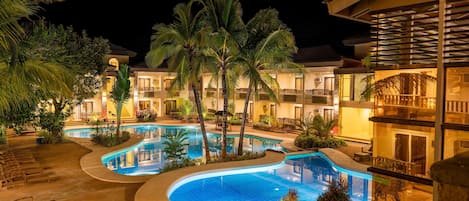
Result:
pixel 156 187
pixel 343 160
pixel 92 165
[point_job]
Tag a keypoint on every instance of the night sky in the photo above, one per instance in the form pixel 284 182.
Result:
pixel 128 23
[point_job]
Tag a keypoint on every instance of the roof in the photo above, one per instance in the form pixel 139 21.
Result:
pixel 119 50
pixel 316 54
pixel 357 39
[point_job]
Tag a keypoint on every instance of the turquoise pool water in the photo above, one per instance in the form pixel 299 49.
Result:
pixel 148 156
pixel 308 174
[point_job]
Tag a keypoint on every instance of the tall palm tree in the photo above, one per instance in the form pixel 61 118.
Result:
pixel 224 17
pixel 121 93
pixel 270 46
pixel 181 42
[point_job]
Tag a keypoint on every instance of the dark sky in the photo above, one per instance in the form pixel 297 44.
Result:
pixel 128 23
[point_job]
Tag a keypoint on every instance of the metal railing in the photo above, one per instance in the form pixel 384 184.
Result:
pixel 319 92
pixel 403 167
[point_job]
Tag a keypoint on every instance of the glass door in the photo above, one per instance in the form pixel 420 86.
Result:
pixel 412 149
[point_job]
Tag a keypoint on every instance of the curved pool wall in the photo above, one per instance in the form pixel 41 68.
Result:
pixel 308 174
pixel 148 157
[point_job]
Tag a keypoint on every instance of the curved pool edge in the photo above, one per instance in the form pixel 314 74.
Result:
pixel 159 187
pixel 92 165
pixel 342 160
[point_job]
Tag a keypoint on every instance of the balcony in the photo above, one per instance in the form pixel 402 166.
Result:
pixel 149 92
pixel 319 96
pixel 404 106
pixel 398 166
pixel 457 112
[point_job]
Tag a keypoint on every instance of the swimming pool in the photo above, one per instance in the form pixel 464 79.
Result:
pixel 148 157
pixel 308 174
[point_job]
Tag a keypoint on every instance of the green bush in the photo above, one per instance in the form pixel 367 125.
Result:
pixel 337 191
pixel 309 141
pixel 3 136
pixel 47 137
pixel 209 117
pixel 110 140
pixel 235 122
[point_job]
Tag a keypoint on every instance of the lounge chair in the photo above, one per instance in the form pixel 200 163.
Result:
pixel 365 154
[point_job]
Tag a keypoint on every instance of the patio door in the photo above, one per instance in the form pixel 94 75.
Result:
pixel 170 106
pixel 411 148
pixel 328 85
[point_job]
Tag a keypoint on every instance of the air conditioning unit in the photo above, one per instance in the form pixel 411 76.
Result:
pixel 461 146
pixel 465 78
pixel 318 79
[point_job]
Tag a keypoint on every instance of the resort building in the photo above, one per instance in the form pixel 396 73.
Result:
pixel 355 78
pixel 308 91
pixel 311 90
pixel 421 76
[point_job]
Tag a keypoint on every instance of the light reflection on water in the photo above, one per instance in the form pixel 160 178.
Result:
pixel 148 157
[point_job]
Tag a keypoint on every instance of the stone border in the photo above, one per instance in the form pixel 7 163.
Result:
pixel 158 187
pixel 344 161
pixel 92 165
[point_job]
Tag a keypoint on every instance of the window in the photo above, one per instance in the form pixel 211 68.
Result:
pixel 144 84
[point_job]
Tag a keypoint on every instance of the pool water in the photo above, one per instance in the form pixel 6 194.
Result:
pixel 148 156
pixel 308 174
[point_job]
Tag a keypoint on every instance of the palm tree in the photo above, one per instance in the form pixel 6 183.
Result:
pixel 121 93
pixel 323 127
pixel 11 12
pixel 392 84
pixel 23 73
pixel 181 42
pixel 270 45
pixel 175 144
pixel 224 17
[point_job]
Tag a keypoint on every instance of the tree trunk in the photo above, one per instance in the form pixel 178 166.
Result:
pixel 243 125
pixel 118 120
pixel 198 104
pixel 225 111
pixel 56 131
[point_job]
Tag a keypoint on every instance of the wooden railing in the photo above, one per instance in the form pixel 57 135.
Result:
pixel 405 100
pixel 455 106
pixel 398 166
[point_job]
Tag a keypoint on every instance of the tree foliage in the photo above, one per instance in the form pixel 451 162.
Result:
pixel 121 93
pixel 175 146
pixel 337 191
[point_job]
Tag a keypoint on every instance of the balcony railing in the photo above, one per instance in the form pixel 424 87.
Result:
pixel 402 167
pixel 291 91
pixel 319 92
pixel 143 89
pixel 404 100
pixel 405 106
pixel 457 112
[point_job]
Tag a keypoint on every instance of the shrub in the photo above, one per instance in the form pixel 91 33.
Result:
pixel 47 137
pixel 309 141
pixel 3 137
pixel 144 116
pixel 336 191
pixel 109 140
pixel 235 121
pixel 292 195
